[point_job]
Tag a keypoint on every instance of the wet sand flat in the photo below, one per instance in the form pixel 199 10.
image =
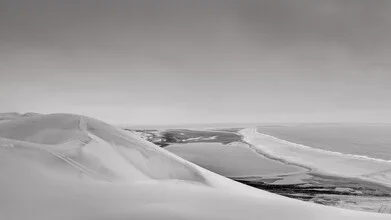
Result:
pixel 233 160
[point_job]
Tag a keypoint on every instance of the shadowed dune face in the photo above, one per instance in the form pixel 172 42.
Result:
pixel 65 145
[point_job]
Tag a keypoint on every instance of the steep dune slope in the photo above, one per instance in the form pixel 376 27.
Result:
pixel 65 166
pixel 92 148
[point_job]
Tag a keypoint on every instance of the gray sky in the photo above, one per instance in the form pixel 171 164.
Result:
pixel 158 62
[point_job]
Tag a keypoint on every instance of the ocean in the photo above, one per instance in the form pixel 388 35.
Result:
pixel 373 141
pixel 353 157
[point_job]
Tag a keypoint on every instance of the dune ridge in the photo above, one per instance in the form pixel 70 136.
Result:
pixel 64 166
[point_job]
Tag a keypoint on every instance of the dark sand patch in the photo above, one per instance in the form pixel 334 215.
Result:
pixel 350 193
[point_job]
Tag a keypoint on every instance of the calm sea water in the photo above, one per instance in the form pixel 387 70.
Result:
pixel 366 140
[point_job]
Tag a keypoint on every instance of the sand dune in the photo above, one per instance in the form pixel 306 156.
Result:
pixel 65 166
pixel 95 148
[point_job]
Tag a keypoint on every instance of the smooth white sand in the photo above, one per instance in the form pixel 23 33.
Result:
pixel 36 184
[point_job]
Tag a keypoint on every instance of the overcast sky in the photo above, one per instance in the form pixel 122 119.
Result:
pixel 159 62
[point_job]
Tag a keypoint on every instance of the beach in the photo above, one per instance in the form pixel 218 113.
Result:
pixel 285 168
pixel 92 170
pixel 336 179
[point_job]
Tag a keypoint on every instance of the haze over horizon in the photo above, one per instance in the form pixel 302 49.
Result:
pixel 218 61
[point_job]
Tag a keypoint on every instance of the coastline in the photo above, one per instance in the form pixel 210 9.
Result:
pixel 254 139
pixel 234 155
pixel 357 192
pixel 358 140
pixel 333 191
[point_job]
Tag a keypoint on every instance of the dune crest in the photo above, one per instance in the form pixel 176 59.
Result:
pixel 64 166
pixel 89 149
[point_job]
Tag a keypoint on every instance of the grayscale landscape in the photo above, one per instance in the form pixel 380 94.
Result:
pixel 220 151
pixel 175 109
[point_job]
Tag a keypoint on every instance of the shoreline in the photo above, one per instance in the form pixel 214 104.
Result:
pixel 232 160
pixel 348 193
pixel 305 183
pixel 328 188
pixel 362 177
pixel 271 157
pixel 353 156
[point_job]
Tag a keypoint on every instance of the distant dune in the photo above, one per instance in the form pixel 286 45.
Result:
pixel 14 115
